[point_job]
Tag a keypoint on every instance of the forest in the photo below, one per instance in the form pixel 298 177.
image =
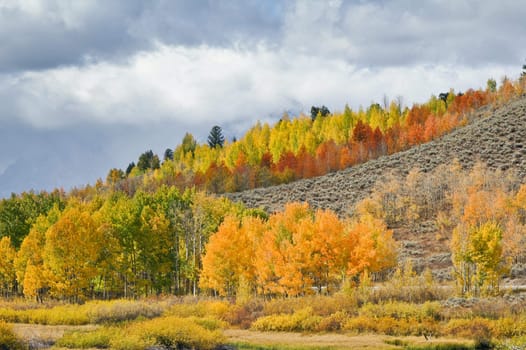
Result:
pixel 162 232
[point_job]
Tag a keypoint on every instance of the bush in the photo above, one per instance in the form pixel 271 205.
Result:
pixel 321 305
pixel 333 322
pixel 99 338
pixel 301 321
pixel 122 310
pixel 8 339
pixel 204 308
pixel 175 332
pixel 477 328
pixel 402 310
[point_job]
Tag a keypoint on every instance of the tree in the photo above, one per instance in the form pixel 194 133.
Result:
pixel 491 85
pixel 130 168
pixel 148 160
pixel 322 111
pixel 114 176
pixel 71 253
pixel 168 154
pixel 443 96
pixel 189 144
pixel 216 138
pixel 477 257
pixel 7 268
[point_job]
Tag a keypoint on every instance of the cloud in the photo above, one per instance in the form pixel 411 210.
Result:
pixel 200 85
pixel 405 33
pixel 140 74
pixel 45 34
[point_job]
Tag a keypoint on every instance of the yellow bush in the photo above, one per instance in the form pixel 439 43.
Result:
pixel 360 324
pixel 476 328
pixel 402 310
pixel 333 322
pixel 300 321
pixel 204 308
pixel 122 310
pixel 8 339
pixel 176 332
pixel 321 305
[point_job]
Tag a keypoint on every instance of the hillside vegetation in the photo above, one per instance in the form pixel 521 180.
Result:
pixel 381 246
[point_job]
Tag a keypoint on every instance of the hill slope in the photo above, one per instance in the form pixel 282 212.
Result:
pixel 496 137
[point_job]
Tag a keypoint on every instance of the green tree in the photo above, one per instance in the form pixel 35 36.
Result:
pixel 216 138
pixel 168 154
pixel 491 85
pixel 148 160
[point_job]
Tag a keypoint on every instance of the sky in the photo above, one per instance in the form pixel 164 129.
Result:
pixel 88 85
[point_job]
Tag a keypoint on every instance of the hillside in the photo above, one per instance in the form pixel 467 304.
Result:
pixel 496 137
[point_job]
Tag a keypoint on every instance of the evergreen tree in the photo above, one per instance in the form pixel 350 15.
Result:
pixel 148 160
pixel 216 138
pixel 168 154
pixel 130 168
pixel 322 111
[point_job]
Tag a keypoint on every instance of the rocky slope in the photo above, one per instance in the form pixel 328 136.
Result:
pixel 497 137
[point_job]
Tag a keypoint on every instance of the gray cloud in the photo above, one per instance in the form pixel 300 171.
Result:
pixel 44 34
pixel 90 85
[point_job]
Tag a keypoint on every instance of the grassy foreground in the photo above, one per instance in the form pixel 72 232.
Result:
pixel 333 322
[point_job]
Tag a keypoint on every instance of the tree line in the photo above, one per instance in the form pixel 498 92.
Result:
pixel 308 146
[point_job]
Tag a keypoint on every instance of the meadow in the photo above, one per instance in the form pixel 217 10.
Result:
pixel 375 317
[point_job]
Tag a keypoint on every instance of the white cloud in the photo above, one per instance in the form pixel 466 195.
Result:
pixel 219 85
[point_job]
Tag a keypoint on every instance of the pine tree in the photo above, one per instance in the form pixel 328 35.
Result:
pixel 216 138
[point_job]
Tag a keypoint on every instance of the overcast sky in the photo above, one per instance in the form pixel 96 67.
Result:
pixel 86 86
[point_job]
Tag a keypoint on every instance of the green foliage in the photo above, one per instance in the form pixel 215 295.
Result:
pixel 19 212
pixel 148 160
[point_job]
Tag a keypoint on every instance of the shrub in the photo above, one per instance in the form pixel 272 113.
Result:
pixel 122 310
pixel 402 310
pixel 243 315
pixel 300 321
pixel 477 328
pixel 8 339
pixel 321 305
pixel 360 324
pixel 204 308
pixel 333 322
pixel 175 332
pixel 99 338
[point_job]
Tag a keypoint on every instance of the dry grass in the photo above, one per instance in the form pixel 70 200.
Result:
pixel 43 334
pixel 333 340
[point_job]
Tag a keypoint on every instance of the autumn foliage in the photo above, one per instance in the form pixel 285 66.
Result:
pixel 296 252
pixel 304 147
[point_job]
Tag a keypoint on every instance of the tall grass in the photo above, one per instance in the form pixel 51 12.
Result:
pixel 170 332
pixel 95 312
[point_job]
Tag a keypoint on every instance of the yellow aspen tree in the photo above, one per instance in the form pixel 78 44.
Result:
pixel 30 254
pixel 371 246
pixel 71 253
pixel 7 268
pixel 229 256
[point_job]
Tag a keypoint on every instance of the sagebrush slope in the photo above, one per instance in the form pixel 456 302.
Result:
pixel 497 137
